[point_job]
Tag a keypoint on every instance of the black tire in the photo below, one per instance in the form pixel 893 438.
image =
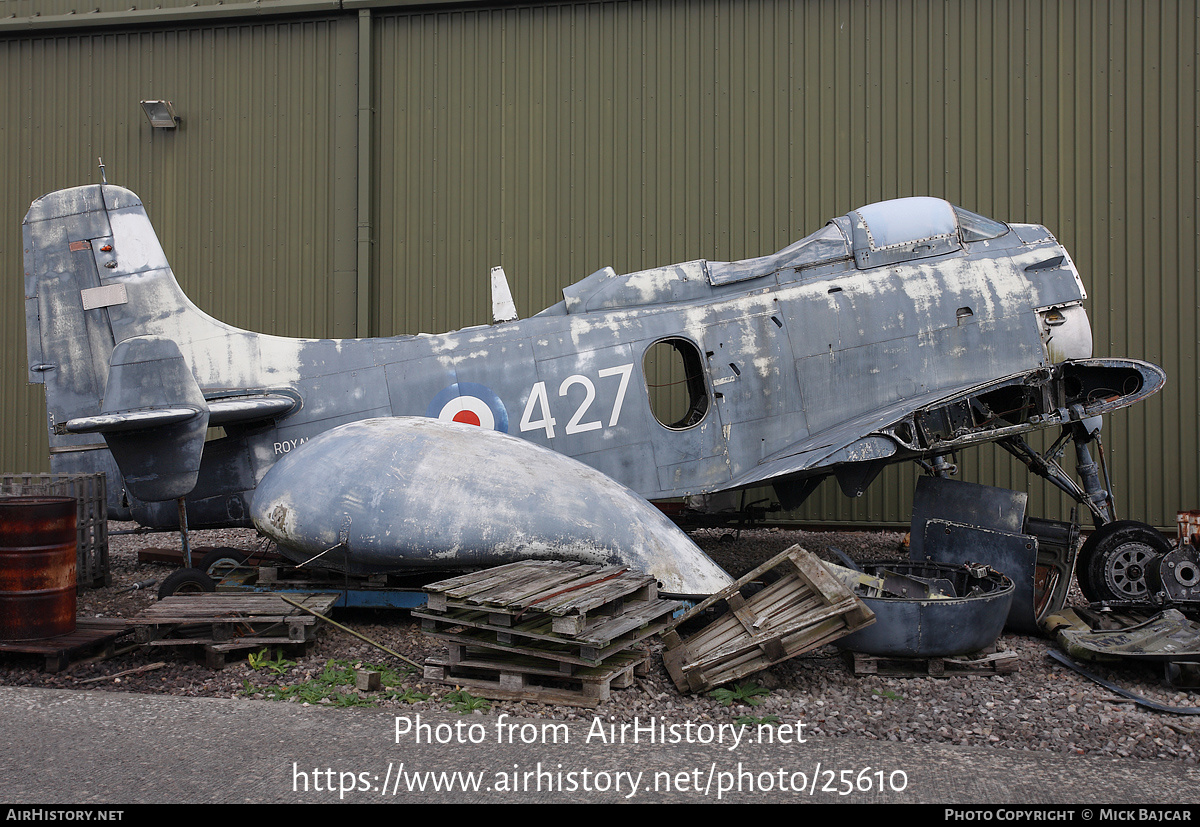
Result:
pixel 186 581
pixel 1113 561
pixel 221 561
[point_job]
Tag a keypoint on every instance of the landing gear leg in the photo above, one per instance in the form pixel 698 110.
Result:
pixel 1113 562
pixel 1092 493
pixel 1089 473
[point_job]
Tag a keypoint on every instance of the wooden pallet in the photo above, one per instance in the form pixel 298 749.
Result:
pixel 806 607
pixel 93 636
pixel 566 654
pixel 995 663
pixel 535 635
pixel 530 679
pixel 548 631
pixel 574 595
pixel 225 622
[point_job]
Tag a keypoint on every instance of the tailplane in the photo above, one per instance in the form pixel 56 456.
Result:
pixel 123 353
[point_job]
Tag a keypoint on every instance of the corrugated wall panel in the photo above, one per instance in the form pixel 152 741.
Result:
pixel 251 196
pixel 559 139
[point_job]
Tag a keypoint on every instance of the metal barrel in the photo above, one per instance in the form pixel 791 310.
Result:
pixel 37 567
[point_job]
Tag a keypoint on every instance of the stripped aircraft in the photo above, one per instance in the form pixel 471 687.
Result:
pixel 902 331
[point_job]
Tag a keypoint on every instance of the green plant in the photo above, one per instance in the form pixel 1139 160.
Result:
pixel 347 699
pixel 746 693
pixel 462 702
pixel 750 720
pixel 261 660
pixel 326 687
pixel 889 694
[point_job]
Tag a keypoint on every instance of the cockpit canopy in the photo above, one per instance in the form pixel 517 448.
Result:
pixel 911 228
pixel 889 232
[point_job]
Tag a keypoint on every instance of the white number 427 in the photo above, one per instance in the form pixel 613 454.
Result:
pixel 539 403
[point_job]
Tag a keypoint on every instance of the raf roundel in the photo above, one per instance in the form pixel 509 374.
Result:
pixel 470 404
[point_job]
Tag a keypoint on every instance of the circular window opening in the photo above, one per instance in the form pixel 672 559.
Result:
pixel 674 371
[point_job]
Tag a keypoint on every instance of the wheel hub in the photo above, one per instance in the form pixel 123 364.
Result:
pixel 1126 573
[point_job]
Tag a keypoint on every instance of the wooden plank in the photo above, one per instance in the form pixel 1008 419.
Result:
pixel 216 607
pixel 89 635
pixel 514 576
pixel 982 664
pixel 579 654
pixel 504 680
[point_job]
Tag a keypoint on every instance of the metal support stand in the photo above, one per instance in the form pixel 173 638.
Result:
pixel 183 533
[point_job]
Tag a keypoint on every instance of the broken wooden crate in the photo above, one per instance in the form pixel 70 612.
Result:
pixel 545 631
pixel 226 622
pixel 806 607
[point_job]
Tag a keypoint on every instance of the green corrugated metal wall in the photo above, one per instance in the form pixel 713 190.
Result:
pixel 558 138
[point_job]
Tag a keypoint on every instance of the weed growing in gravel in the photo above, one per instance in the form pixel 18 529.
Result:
pixel 750 720
pixel 329 687
pixel 261 660
pixel 887 693
pixel 462 702
pixel 743 693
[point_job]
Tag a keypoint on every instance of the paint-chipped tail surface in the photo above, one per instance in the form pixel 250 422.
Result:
pixel 95 276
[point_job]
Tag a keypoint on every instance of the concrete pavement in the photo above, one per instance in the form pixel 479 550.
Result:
pixel 98 747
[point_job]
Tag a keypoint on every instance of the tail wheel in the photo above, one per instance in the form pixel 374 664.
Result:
pixel 1114 561
pixel 186 581
pixel 220 562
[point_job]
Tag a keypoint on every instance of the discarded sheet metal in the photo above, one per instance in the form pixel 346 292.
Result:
pixel 1124 693
pixel 934 620
pixel 804 608
pixel 1168 637
pixel 956 522
pixel 1091 635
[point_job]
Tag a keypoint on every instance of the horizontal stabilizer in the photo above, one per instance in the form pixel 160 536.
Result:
pixel 130 420
pixel 224 410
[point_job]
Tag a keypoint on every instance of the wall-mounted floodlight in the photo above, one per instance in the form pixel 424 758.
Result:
pixel 161 114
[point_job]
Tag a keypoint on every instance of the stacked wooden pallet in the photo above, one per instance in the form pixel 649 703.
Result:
pixel 222 623
pixel 803 608
pixel 544 631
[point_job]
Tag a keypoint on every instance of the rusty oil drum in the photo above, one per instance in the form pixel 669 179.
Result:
pixel 37 567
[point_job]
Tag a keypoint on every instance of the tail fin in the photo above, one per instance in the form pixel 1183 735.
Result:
pixel 96 277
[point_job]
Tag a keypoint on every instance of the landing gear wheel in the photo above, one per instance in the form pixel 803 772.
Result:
pixel 220 562
pixel 186 581
pixel 1114 560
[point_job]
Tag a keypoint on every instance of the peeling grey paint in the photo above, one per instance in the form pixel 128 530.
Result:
pixel 850 349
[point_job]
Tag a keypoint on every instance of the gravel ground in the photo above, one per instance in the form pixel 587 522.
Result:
pixel 1041 707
